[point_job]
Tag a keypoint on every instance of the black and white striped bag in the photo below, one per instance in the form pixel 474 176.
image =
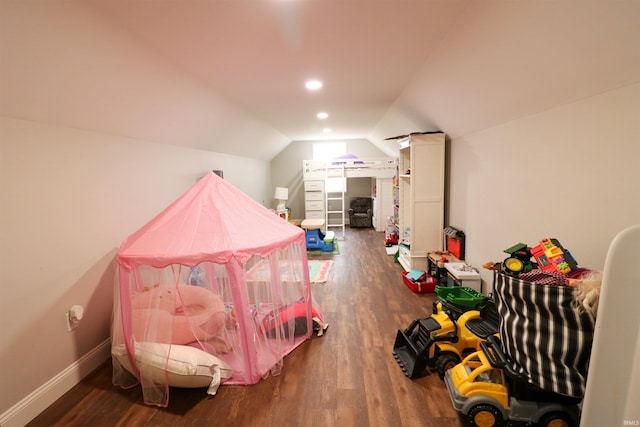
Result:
pixel 543 335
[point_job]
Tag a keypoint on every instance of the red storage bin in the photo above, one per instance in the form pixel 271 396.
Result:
pixel 454 240
pixel 428 285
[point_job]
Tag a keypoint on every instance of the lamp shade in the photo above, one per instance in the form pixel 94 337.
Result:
pixel 282 193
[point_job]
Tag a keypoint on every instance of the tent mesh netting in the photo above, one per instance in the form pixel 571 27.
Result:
pixel 215 289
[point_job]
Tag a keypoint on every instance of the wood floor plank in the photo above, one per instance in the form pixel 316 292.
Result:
pixel 346 378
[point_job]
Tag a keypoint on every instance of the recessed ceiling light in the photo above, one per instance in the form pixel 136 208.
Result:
pixel 313 84
pixel 326 130
pixel 322 115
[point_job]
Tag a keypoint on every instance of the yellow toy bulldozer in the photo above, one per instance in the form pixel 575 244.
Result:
pixel 447 336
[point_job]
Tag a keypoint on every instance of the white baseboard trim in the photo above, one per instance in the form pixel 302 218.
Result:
pixel 40 399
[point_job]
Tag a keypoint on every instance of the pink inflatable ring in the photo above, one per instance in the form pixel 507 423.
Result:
pixel 176 314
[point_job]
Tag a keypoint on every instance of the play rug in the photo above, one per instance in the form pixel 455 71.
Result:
pixel 336 250
pixel 319 270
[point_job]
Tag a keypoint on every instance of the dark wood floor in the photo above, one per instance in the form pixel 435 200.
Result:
pixel 346 378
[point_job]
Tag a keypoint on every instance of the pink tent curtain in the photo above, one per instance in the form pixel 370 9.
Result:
pixel 216 287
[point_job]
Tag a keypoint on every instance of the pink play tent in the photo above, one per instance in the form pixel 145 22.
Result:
pixel 215 289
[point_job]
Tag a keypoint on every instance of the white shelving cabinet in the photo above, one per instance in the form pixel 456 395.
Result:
pixel 421 198
pixel 314 202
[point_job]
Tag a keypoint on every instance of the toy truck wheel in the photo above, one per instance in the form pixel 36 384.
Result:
pixel 485 415
pixel 556 419
pixel 513 265
pixel 446 361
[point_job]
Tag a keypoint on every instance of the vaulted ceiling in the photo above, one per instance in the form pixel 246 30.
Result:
pixel 228 76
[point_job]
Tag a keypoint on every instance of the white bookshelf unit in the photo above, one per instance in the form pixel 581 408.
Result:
pixel 421 198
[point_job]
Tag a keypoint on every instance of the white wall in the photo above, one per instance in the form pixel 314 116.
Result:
pixel 571 172
pixel 68 199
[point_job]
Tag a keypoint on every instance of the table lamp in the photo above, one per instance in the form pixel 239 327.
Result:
pixel 282 194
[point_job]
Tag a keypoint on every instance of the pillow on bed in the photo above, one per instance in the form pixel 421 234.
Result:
pixel 186 367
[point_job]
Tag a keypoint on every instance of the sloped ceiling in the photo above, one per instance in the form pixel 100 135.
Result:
pixel 228 76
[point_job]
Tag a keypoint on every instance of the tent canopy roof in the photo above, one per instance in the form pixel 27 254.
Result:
pixel 213 221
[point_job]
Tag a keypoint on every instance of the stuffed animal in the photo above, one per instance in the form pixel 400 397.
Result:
pixel 586 292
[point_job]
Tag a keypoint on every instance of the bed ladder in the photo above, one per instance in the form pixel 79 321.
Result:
pixel 335 187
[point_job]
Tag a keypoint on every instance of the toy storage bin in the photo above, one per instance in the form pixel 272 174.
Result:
pixel 544 337
pixel 461 296
pixel 423 286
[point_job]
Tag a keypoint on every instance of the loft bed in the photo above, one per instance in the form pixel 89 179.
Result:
pixel 349 167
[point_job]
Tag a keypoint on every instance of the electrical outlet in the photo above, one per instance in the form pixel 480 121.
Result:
pixel 71 325
pixel 74 316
